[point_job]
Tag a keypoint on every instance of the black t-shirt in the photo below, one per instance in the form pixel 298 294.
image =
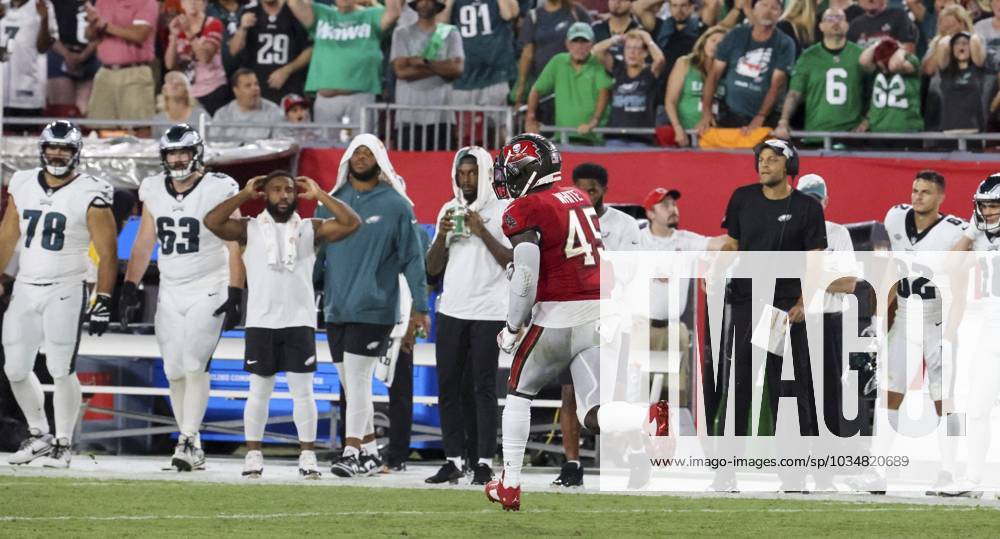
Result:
pixel 789 30
pixel 962 98
pixel 602 31
pixel 272 43
pixel 794 223
pixel 70 19
pixel 632 100
pixel 893 22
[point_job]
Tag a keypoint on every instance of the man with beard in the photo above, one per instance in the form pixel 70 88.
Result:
pixel 753 61
pixel 662 234
pixel 828 76
pixel 361 289
pixel 54 213
pixel 281 318
pixel 201 279
pixel 472 253
pixel 770 215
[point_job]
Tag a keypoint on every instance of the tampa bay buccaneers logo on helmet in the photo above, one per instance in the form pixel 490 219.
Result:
pixel 520 151
pixel 525 162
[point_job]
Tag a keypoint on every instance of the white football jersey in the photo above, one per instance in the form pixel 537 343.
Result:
pixel 188 251
pixel 987 275
pixel 619 231
pixel 24 73
pixel 54 235
pixel 903 237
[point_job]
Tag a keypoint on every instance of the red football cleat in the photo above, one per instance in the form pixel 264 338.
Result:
pixel 509 498
pixel 659 419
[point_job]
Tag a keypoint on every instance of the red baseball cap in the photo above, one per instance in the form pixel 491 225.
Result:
pixel 658 194
pixel 293 100
pixel 885 49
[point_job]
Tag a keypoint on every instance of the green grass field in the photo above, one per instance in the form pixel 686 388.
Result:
pixel 59 507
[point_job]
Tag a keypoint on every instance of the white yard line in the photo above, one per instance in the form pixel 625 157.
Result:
pixel 313 514
pixel 112 470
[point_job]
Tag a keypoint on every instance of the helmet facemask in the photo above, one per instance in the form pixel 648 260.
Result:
pixel 182 137
pixel 60 169
pixel 524 163
pixel 980 217
pixel 60 134
pixel 185 172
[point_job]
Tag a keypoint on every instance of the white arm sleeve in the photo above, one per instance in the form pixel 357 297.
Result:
pixel 523 284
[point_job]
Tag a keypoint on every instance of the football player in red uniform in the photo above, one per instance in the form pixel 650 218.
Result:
pixel 554 283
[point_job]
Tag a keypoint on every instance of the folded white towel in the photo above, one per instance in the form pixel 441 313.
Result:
pixel 280 240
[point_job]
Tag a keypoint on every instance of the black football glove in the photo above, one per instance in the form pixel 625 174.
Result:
pixel 232 308
pixel 99 315
pixel 128 303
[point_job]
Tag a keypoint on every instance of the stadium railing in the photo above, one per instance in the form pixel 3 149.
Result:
pixel 480 126
pixel 484 126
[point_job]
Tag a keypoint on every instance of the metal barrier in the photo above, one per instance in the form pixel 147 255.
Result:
pixel 396 125
pixel 336 133
pixel 423 128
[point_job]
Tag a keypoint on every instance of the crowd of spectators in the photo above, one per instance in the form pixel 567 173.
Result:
pixel 657 69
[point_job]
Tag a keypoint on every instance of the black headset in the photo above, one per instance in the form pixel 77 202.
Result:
pixel 782 147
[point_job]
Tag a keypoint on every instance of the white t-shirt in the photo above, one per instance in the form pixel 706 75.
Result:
pixel 54 234
pixel 838 240
pixel 619 231
pixel 190 254
pixel 659 290
pixel 278 298
pixel 25 73
pixel 475 285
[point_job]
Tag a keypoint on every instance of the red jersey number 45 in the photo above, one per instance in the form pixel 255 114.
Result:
pixel 583 238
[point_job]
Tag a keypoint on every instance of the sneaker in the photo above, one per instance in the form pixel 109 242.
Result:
pixel 508 497
pixel 34 446
pixel 943 480
pixel 308 467
pixel 346 466
pixel 724 482
pixel 183 459
pixel 962 489
pixel 873 483
pixel 199 459
pixel 370 464
pixel 448 473
pixel 482 474
pixel 640 471
pixel 60 455
pixel 571 475
pixel 253 464
pixel 659 419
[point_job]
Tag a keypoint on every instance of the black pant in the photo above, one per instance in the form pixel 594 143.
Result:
pixel 728 118
pixel 743 374
pixel 833 401
pixel 467 357
pixel 401 409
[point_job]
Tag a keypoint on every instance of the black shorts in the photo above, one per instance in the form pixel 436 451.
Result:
pixel 269 351
pixel 371 340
